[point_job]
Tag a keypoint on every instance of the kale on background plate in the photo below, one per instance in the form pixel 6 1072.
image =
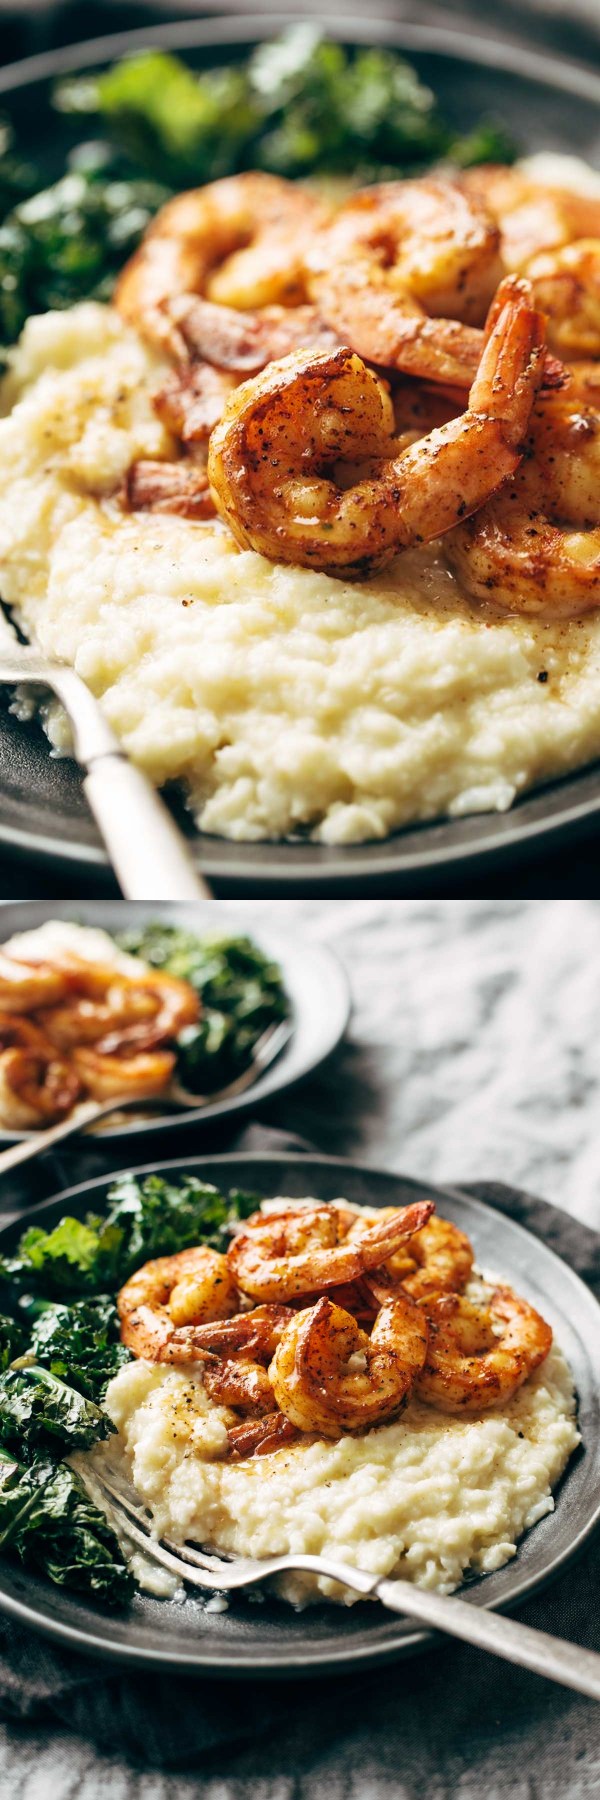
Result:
pixel 48 1521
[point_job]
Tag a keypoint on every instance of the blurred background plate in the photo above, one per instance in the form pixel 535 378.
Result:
pixel 314 980
pixel 271 1639
pixel 545 103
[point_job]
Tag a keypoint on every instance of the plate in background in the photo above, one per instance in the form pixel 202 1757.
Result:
pixel 314 980
pixel 544 103
pixel 272 1639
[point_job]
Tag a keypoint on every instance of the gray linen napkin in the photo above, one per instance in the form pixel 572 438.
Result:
pixel 417 1717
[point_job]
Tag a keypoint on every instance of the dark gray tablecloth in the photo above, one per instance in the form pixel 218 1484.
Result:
pixel 450 1722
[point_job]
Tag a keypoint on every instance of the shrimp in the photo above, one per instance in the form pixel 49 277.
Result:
pixel 535 547
pixel 259 1437
pixel 24 986
pixel 438 1259
pixel 215 347
pixel 398 252
pixel 276 458
pixel 314 1385
pixel 167 487
pixel 287 1254
pixel 240 1384
pixel 36 1085
pixel 162 1303
pixel 469 1367
pixel 238 242
pixel 532 215
pixel 566 285
pixel 112 1010
pixel 244 342
pixel 253 1335
pixel 192 400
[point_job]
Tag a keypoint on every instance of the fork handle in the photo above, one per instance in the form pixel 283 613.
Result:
pixel 149 856
pixel 25 1149
pixel 569 1664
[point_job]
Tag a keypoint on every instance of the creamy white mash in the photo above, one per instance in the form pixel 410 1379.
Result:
pixel 427 1497
pixel 283 699
pixel 59 940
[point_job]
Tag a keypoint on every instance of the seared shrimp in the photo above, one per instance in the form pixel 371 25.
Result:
pixel 241 343
pixel 535 547
pixel 162 1303
pixel 119 1077
pixel 215 347
pixel 112 1010
pixel 25 986
pixel 286 1254
pixel 317 1389
pixel 566 284
pixel 167 487
pixel 276 459
pixel 439 1259
pixel 401 251
pixel 532 215
pixel 36 1086
pixel 241 1384
pixel 259 1437
pixel 250 1336
pixel 238 241
pixel 469 1368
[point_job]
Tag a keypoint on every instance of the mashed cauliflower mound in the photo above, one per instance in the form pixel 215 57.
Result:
pixel 282 698
pixel 426 1498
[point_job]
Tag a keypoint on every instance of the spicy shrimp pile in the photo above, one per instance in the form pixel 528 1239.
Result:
pixel 78 1028
pixel 347 383
pixel 323 1320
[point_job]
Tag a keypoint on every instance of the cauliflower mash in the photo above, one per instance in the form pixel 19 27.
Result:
pixel 283 699
pixel 426 1498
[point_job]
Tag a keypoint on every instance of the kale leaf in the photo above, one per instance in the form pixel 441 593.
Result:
pixel 48 1520
pixel 39 1411
pixel 150 1218
pixel 12 1340
pixel 80 1343
pixel 68 242
pixel 297 105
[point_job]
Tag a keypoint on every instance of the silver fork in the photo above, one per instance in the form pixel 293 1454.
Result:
pixel 148 852
pixel 569 1664
pixel 266 1049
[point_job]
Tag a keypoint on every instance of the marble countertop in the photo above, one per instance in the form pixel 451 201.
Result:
pixel 472 1054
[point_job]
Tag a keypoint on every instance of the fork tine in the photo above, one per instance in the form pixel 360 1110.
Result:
pixel 142 1517
pixel 133 1522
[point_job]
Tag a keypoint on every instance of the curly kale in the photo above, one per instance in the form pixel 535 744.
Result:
pixel 143 1219
pixel 48 1521
pixel 68 242
pixel 298 105
pixel 80 1343
pixel 40 1411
